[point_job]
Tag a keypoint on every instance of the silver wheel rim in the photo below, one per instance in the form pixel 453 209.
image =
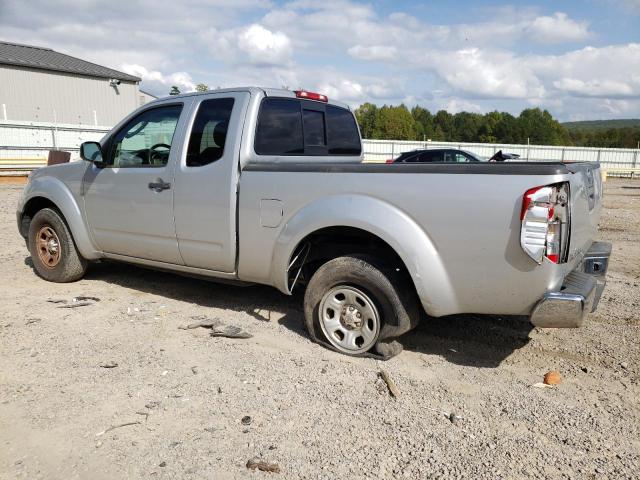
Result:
pixel 349 319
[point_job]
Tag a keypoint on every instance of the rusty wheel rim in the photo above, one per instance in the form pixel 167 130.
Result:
pixel 48 246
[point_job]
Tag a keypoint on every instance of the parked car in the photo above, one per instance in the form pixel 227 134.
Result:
pixel 267 186
pixel 437 155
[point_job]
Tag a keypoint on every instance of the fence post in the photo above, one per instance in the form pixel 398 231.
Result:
pixel 393 149
pixel 598 159
pixel 53 137
pixel 635 158
pixel 562 156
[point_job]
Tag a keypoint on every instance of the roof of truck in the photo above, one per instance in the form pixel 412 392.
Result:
pixel 269 92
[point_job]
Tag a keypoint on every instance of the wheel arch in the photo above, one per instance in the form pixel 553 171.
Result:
pixel 377 220
pixel 48 192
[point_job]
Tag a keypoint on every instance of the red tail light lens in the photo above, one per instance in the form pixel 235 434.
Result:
pixel 390 160
pixel 545 222
pixel 311 96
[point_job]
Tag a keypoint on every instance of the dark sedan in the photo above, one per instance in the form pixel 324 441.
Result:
pixel 437 155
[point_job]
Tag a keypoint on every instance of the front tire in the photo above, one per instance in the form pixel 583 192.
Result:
pixel 351 305
pixel 53 252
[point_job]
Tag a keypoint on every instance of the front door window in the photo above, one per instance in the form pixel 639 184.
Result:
pixel 146 140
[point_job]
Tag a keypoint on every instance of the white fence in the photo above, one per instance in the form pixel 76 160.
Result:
pixel 26 145
pixel 381 150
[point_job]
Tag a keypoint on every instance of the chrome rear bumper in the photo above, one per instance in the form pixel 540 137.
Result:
pixel 579 294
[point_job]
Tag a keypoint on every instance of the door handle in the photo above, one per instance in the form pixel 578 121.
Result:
pixel 159 185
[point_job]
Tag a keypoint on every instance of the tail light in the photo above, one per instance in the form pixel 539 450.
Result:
pixel 546 222
pixel 311 95
pixel 389 160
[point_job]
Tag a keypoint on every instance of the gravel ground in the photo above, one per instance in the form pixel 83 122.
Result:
pixel 314 413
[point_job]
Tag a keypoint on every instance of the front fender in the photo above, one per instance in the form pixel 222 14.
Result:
pixel 57 192
pixel 389 223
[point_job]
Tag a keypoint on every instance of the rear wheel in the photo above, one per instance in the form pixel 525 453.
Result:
pixel 352 304
pixel 53 252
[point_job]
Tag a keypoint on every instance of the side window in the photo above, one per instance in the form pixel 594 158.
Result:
pixel 279 130
pixel 342 132
pixel 431 157
pixel 209 132
pixel 146 140
pixel 461 158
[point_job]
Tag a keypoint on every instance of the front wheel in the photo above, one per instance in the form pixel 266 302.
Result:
pixel 53 252
pixel 351 304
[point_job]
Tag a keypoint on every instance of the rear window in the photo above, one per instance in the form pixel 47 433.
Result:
pixel 303 127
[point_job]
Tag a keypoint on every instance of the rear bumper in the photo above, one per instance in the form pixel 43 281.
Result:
pixel 580 292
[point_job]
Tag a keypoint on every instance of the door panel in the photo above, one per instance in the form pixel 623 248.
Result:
pixel 129 202
pixel 206 180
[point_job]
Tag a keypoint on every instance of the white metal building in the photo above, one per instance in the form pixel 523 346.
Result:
pixel 41 85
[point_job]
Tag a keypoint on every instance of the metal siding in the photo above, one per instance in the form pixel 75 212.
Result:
pixel 38 96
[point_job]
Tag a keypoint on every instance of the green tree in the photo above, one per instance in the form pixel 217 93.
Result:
pixel 541 128
pixel 174 90
pixel 443 122
pixel 366 116
pixel 466 127
pixel 423 123
pixel 201 87
pixel 394 123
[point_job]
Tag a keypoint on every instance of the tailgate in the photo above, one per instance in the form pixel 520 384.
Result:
pixel 585 206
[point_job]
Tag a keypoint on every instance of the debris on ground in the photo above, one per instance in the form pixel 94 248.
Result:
pixel 552 378
pixel 33 320
pixel 145 414
pixel 110 364
pixel 391 385
pixel 113 427
pixel 262 465
pixel 246 420
pixel 541 385
pixel 218 328
pixel 230 331
pixel 202 323
pixel 453 418
pixel 80 301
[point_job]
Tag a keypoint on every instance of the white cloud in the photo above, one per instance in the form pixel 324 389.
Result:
pixel 486 73
pixel 158 81
pixel 456 105
pixel 264 46
pixel 594 88
pixel 374 52
pixel 557 28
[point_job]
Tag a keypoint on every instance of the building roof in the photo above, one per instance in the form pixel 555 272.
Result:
pixel 149 94
pixel 47 59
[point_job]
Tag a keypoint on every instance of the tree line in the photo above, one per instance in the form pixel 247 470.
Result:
pixel 533 124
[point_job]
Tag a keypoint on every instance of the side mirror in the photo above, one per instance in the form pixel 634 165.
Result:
pixel 91 152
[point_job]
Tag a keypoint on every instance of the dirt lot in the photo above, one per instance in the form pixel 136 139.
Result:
pixel 315 413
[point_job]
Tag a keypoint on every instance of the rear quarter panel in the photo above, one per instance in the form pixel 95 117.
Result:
pixel 471 260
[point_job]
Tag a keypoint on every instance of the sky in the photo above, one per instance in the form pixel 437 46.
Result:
pixel 579 60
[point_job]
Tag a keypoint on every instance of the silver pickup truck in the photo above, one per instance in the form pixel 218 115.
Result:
pixel 268 186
